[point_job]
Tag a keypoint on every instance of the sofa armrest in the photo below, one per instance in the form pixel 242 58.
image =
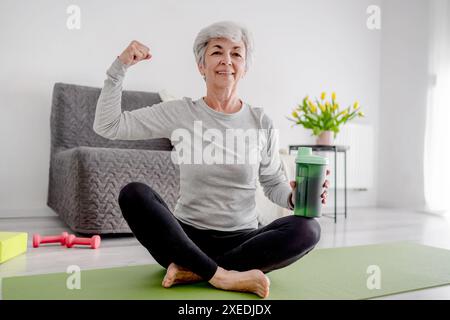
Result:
pixel 97 166
pixel 85 183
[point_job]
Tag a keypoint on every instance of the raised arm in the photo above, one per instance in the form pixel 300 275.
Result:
pixel 145 123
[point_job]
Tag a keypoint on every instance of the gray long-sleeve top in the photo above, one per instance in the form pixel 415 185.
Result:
pixel 220 156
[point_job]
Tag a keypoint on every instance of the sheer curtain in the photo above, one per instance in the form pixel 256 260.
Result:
pixel 437 138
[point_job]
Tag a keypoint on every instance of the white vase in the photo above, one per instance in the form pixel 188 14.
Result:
pixel 325 138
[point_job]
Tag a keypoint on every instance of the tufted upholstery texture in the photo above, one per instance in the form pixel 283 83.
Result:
pixel 87 171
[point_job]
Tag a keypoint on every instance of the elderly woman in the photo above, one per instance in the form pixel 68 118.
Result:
pixel 213 233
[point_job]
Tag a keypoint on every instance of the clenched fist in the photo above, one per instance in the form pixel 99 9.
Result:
pixel 134 53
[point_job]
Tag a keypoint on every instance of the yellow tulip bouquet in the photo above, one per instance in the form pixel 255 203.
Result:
pixel 324 115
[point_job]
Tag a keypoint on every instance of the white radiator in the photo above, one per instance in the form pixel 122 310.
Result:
pixel 360 157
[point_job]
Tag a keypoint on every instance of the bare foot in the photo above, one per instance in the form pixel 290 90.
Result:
pixel 176 274
pixel 254 281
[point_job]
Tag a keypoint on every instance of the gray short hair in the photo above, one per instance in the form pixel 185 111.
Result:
pixel 223 29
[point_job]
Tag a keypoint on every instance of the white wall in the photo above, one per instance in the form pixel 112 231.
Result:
pixel 404 82
pixel 302 47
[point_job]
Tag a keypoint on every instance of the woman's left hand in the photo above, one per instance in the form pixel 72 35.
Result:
pixel 325 186
pixel 323 195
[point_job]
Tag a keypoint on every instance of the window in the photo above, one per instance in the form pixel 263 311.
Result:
pixel 437 137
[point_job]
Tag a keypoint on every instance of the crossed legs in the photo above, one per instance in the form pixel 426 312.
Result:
pixel 240 268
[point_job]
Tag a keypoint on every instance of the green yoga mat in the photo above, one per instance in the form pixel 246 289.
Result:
pixel 335 273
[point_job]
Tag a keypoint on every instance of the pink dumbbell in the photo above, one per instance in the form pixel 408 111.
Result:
pixel 37 239
pixel 94 241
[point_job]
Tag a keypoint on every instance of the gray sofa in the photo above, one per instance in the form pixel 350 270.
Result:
pixel 87 171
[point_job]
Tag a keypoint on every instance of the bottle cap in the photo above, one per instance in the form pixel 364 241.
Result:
pixel 304 155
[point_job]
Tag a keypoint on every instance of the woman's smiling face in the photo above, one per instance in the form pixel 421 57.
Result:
pixel 224 62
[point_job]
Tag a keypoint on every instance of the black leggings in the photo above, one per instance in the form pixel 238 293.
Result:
pixel 168 240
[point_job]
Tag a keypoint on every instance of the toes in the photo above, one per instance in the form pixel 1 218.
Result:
pixel 268 287
pixel 168 278
pixel 167 281
pixel 264 287
pixel 267 279
pixel 262 292
pixel 265 293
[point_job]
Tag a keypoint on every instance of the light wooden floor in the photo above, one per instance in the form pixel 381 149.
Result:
pixel 363 226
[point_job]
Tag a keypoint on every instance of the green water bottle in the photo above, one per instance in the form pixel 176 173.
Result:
pixel 310 176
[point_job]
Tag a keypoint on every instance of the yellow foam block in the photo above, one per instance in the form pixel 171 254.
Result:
pixel 12 244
